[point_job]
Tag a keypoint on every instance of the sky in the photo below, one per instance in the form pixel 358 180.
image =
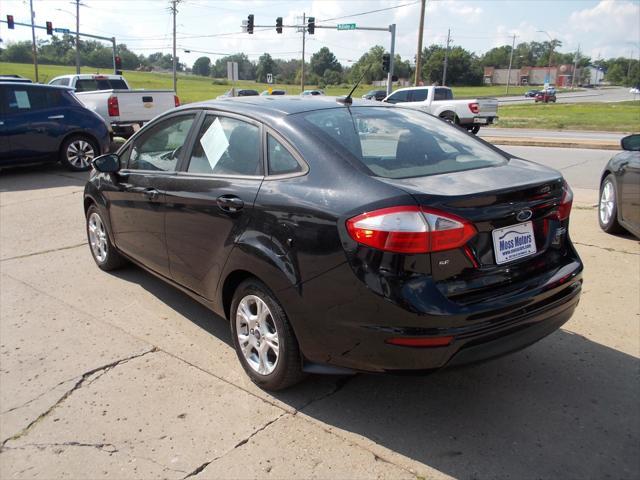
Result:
pixel 601 28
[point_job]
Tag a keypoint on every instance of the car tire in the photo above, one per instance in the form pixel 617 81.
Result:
pixel 449 117
pixel 77 152
pixel 608 206
pixel 475 129
pixel 260 326
pixel 102 250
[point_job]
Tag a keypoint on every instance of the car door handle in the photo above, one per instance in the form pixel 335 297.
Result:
pixel 151 194
pixel 55 117
pixel 229 203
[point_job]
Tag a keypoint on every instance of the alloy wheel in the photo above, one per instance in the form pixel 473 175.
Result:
pixel 97 237
pixel 257 334
pixel 80 153
pixel 607 202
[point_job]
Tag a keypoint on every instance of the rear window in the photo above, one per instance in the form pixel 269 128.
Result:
pixel 400 143
pixel 90 85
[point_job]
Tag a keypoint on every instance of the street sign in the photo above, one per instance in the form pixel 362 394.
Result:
pixel 269 77
pixel 62 30
pixel 346 26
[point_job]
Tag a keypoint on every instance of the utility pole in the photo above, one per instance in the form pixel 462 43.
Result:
pixel 513 46
pixel 392 54
pixel 575 67
pixel 174 11
pixel 304 33
pixel 419 54
pixel 77 37
pixel 446 60
pixel 33 38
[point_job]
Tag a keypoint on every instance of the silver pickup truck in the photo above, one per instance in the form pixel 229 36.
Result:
pixel 438 101
pixel 111 97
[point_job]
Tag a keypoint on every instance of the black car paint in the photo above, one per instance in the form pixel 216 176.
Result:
pixel 344 300
pixel 625 168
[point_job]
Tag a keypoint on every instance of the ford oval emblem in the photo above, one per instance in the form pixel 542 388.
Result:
pixel 524 215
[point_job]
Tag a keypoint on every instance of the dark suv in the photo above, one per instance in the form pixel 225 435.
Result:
pixel 43 123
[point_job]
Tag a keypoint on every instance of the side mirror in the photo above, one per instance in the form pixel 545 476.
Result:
pixel 109 163
pixel 631 143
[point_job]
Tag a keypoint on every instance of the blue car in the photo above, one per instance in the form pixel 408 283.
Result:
pixel 44 123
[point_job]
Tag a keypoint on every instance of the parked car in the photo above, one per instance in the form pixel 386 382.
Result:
pixel 313 93
pixel 619 205
pixel 41 123
pixel 245 92
pixel 439 101
pixel 635 90
pixel 111 97
pixel 378 95
pixel 14 78
pixel 545 96
pixel 531 93
pixel 431 249
pixel 274 92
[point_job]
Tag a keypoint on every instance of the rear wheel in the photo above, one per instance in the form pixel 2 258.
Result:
pixel 263 338
pixel 608 206
pixel 449 117
pixel 77 153
pixel 475 129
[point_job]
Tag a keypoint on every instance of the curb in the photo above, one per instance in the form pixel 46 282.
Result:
pixel 559 142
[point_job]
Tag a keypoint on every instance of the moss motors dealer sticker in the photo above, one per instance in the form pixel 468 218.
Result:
pixel 513 242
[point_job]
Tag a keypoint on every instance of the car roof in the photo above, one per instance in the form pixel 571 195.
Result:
pixel 90 76
pixel 264 107
pixel 34 85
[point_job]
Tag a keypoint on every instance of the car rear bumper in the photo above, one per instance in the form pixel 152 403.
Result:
pixel 481 120
pixel 353 328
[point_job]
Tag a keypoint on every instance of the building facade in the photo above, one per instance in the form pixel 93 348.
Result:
pixel 559 75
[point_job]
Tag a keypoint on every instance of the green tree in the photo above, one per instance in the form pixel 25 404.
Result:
pixel 19 52
pixel 324 60
pixel 497 57
pixel 265 65
pixel 463 67
pixel 287 70
pixel 369 64
pixel 246 69
pixel 202 66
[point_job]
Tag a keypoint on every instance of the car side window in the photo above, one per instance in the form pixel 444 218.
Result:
pixel 281 161
pixel 22 100
pixel 419 95
pixel 160 148
pixel 226 146
pixel 398 97
pixel 442 94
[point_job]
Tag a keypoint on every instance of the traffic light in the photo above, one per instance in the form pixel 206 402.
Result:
pixel 250 24
pixel 386 62
pixel 49 28
pixel 118 62
pixel 311 25
pixel 10 23
pixel 279 24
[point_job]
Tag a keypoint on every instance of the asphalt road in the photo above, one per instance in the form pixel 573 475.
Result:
pixel 614 94
pixel 551 134
pixel 121 376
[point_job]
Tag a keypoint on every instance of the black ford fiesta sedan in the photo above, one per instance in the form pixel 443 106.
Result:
pixel 339 238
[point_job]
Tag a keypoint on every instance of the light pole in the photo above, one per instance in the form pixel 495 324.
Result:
pixel 550 54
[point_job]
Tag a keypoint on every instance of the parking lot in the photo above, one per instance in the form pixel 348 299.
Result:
pixel 121 376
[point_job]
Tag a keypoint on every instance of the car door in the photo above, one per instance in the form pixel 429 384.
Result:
pixel 630 188
pixel 137 201
pixel 31 124
pixel 211 201
pixel 400 96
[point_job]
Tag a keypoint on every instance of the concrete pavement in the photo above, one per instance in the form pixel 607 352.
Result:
pixel 121 376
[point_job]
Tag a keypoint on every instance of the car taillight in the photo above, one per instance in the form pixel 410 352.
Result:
pixel 176 100
pixel 474 107
pixel 410 229
pixel 113 109
pixel 565 205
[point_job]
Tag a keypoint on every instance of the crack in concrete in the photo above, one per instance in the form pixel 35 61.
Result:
pixel 608 249
pixel 201 467
pixel 26 255
pixel 84 377
pixel 105 447
pixel 341 382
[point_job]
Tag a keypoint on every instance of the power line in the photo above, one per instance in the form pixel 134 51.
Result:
pixel 369 12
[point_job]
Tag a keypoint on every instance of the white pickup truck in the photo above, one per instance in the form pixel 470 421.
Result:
pixel 111 97
pixel 438 101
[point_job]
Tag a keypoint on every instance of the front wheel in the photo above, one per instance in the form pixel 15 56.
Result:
pixel 102 250
pixel 608 206
pixel 263 338
pixel 77 153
